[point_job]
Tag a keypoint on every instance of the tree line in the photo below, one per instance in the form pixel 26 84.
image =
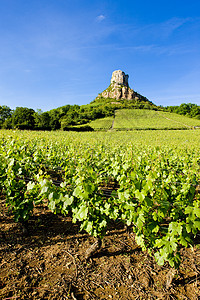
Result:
pixel 68 117
pixel 186 109
pixel 61 118
pixel 75 117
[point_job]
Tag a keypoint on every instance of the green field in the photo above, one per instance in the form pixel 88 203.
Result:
pixel 150 119
pixel 155 174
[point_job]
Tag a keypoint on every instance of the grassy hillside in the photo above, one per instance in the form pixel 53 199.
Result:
pixel 140 119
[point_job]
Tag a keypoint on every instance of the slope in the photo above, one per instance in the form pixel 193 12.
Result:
pixel 143 119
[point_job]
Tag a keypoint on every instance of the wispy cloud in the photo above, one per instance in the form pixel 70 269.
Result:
pixel 157 49
pixel 168 27
pixel 155 31
pixel 100 18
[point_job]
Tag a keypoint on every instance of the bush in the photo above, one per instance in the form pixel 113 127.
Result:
pixel 24 127
pixel 78 128
pixel 43 128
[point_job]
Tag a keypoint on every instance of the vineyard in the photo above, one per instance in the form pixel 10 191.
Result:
pixel 144 119
pixel 150 119
pixel 143 183
pixel 104 123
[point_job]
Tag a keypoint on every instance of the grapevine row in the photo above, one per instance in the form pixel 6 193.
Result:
pixel 164 216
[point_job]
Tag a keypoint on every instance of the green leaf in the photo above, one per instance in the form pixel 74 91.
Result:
pixel 88 187
pixel 30 185
pixel 51 196
pixel 67 201
pixel 11 163
pixel 128 222
pixel 155 216
pixel 159 243
pixel 89 227
pixel 140 195
pixel 148 201
pixel 173 245
pixel 160 259
pixel 63 184
pixel 82 213
pixel 52 205
pixel 189 227
pixel 103 224
pixel 156 229
pixel 183 241
pixel 140 241
pixel 78 192
pixel 106 209
pixel 171 262
pixel 140 220
pixel 175 227
pixel 197 224
pixel 44 190
pixel 197 211
pixel 188 209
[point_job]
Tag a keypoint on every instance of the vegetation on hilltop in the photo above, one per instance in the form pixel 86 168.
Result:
pixel 64 117
pixel 186 109
pixel 75 117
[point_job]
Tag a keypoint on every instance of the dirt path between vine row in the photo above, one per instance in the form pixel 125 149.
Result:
pixel 48 263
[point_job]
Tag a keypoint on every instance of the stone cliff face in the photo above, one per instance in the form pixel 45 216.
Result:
pixel 119 88
pixel 119 78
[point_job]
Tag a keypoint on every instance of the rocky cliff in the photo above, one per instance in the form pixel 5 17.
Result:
pixel 119 88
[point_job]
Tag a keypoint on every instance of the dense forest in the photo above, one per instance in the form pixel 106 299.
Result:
pixel 75 117
pixel 186 109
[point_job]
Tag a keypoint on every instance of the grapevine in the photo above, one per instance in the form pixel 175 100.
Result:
pixel 155 188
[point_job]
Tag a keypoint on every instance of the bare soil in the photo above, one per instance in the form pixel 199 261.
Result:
pixel 47 262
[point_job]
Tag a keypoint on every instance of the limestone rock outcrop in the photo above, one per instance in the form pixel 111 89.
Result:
pixel 119 78
pixel 119 88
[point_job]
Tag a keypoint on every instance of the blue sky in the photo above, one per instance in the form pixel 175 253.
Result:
pixel 58 52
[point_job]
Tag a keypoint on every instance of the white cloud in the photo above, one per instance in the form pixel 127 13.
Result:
pixel 100 18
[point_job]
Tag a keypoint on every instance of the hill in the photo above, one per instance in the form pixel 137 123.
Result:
pixel 119 93
pixel 117 96
pixel 105 112
pixel 121 108
pixel 143 119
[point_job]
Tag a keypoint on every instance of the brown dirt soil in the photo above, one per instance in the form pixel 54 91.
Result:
pixel 48 263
